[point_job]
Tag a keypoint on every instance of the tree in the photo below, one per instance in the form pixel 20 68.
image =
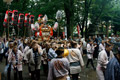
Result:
pixel 69 12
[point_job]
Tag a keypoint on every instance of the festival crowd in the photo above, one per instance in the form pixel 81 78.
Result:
pixel 62 59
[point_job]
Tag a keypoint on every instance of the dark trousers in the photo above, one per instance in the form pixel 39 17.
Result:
pixel 6 58
pixel 90 61
pixel 16 72
pixel 85 51
pixel 1 57
pixel 75 76
pixel 9 73
pixel 35 75
pixel 29 69
pixel 45 69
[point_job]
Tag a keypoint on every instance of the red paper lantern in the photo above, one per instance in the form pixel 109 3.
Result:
pixel 20 20
pixel 14 17
pixel 26 21
pixel 31 19
pixel 8 14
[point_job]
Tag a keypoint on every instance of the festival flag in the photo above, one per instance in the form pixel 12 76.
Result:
pixel 78 29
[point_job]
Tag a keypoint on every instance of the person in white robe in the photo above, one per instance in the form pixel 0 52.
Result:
pixel 103 59
pixel 15 58
pixel 59 66
pixel 90 50
pixel 33 56
pixel 102 46
pixel 76 61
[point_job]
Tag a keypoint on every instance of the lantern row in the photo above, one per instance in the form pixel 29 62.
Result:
pixel 15 19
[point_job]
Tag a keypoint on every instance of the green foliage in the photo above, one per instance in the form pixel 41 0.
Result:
pixel 76 11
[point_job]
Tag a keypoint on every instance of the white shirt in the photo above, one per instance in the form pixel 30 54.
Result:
pixel 75 56
pixel 90 48
pixel 102 59
pixel 84 45
pixel 101 47
pixel 12 58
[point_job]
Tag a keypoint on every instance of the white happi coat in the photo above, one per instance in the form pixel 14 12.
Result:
pixel 101 47
pixel 1 48
pixel 44 58
pixel 84 45
pixel 75 58
pixel 102 62
pixel 90 49
pixel 30 58
pixel 12 59
pixel 25 52
pixel 20 47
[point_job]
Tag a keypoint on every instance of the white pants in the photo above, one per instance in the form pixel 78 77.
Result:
pixel 100 73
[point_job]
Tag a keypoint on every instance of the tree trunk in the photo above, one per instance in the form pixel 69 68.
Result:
pixel 69 12
pixel 86 29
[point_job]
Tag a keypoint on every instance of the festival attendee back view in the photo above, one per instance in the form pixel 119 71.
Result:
pixel 59 66
pixel 76 61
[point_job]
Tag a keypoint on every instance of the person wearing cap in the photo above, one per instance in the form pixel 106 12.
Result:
pixel 113 68
pixel 33 56
pixel 75 60
pixel 103 59
pixel 15 57
pixel 59 66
